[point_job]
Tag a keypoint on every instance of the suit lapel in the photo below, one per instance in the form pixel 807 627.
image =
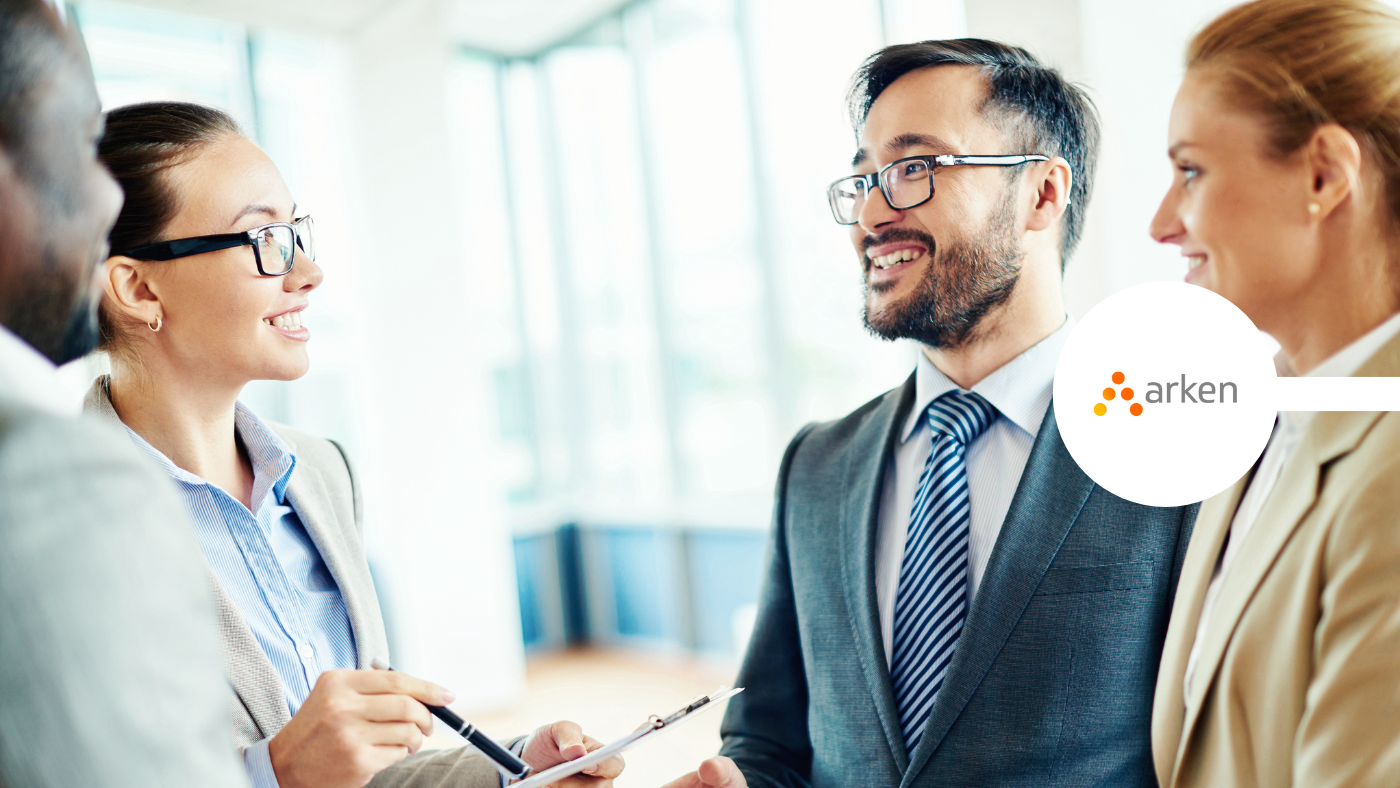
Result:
pixel 250 672
pixel 1202 555
pixel 1051 492
pixel 868 453
pixel 306 492
pixel 1331 435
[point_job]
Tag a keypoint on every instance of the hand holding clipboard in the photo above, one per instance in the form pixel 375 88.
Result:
pixel 651 728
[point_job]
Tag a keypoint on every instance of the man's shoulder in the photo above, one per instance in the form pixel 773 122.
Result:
pixel 103 589
pixel 66 474
pixel 35 442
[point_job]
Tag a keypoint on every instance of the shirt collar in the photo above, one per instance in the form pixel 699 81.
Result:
pixel 272 460
pixel 28 377
pixel 1020 389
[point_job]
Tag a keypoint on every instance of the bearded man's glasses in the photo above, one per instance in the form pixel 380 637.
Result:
pixel 905 183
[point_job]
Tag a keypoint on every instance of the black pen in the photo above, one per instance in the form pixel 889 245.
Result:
pixel 503 759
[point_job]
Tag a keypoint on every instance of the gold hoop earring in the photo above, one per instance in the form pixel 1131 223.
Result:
pixel 157 326
pixel 1314 208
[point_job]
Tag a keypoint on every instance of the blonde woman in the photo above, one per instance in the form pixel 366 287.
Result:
pixel 211 269
pixel 1282 661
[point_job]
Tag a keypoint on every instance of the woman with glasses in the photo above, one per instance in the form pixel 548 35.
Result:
pixel 1282 660
pixel 211 268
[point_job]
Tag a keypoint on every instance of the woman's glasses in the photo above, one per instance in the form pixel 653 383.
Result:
pixel 905 183
pixel 274 246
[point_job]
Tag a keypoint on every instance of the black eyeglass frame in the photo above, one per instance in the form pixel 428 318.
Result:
pixel 202 244
pixel 877 179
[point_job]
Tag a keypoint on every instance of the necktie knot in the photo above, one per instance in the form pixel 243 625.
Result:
pixel 963 417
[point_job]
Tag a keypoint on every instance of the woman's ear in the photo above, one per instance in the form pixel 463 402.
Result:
pixel 1051 194
pixel 128 291
pixel 1333 162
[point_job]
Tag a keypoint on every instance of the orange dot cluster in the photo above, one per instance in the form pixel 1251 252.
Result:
pixel 1125 394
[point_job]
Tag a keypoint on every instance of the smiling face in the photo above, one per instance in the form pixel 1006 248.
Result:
pixel 221 320
pixel 1238 212
pixel 933 272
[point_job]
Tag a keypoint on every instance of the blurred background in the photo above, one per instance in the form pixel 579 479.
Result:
pixel 582 286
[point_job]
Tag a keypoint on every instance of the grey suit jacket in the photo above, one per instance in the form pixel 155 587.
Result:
pixel 1051 683
pixel 323 492
pixel 109 661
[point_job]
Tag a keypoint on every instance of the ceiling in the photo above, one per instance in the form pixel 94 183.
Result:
pixel 504 27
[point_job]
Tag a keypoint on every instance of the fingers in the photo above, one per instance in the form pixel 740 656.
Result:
pixel 568 739
pixel 590 744
pixel 606 770
pixel 395 734
pixel 721 772
pixel 387 682
pixel 382 756
pixel 691 780
pixel 397 708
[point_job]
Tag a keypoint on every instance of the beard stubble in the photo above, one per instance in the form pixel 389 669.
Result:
pixel 963 281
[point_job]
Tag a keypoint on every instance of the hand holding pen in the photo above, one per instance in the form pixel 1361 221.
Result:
pixel 353 725
pixel 548 746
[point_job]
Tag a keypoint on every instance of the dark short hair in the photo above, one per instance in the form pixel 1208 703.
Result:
pixel 1033 104
pixel 31 40
pixel 140 143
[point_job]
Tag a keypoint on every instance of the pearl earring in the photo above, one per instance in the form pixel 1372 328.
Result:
pixel 1314 208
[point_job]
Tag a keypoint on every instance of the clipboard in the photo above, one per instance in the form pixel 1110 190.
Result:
pixel 652 727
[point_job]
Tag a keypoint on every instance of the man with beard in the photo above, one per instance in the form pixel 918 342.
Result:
pixel 110 673
pixel 950 601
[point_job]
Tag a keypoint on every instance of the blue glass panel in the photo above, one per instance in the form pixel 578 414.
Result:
pixel 726 568
pixel 637 583
pixel 527 569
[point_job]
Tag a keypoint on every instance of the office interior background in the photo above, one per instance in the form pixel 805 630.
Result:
pixel 581 281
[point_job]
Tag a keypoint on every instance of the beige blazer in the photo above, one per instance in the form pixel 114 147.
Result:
pixel 1298 680
pixel 324 494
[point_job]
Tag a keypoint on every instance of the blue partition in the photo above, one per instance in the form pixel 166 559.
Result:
pixel 639 586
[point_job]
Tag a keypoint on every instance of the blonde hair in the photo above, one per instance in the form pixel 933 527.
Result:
pixel 1304 63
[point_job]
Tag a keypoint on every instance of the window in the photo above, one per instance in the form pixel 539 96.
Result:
pixel 667 276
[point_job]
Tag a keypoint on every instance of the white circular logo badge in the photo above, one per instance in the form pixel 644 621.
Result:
pixel 1164 394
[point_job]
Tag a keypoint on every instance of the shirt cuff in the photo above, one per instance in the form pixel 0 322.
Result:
pixel 258 761
pixel 517 749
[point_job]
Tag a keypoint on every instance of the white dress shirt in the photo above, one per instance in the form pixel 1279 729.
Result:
pixel 1288 433
pixel 1020 391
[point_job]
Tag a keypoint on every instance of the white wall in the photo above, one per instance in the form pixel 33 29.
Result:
pixel 437 504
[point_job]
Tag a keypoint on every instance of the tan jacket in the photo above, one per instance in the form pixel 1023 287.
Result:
pixel 324 493
pixel 1298 680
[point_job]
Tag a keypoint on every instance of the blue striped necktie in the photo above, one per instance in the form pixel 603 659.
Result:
pixel 931 603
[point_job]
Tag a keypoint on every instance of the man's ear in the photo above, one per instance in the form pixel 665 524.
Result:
pixel 128 291
pixel 1053 181
pixel 1333 167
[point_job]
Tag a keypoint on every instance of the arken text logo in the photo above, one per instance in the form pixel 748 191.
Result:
pixel 1208 392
